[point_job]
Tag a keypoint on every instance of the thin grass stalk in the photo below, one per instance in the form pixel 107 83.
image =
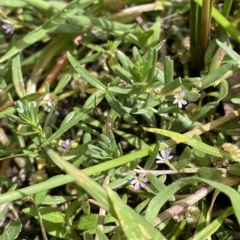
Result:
pixel 226 7
pixel 205 27
pixel 194 39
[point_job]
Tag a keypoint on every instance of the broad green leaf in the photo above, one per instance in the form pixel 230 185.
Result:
pixel 52 220
pixel 184 159
pixel 90 221
pixel 171 86
pixel 191 96
pixel 234 169
pixel 193 143
pixel 215 75
pixel 223 90
pixel 47 213
pixel 210 173
pixel 12 231
pixel 235 100
pixel 39 197
pixel 85 74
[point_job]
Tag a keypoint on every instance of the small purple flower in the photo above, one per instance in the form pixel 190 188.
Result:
pixel 94 31
pixel 8 28
pixel 179 99
pixel 164 157
pixel 66 145
pixel 139 181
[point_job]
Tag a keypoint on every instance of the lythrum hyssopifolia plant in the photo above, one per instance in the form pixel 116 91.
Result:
pixel 105 133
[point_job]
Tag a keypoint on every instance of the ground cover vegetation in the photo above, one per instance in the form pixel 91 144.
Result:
pixel 119 119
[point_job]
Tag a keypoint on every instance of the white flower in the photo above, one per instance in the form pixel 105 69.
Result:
pixel 164 157
pixel 139 181
pixel 179 99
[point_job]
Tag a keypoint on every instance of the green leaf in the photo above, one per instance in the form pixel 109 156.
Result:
pixel 210 173
pixel 101 235
pixel 154 38
pixel 229 51
pixel 54 200
pixel 12 231
pixel 118 108
pixel 101 22
pixel 158 185
pixel 191 96
pixel 200 157
pixel 17 76
pixel 132 139
pixel 39 197
pixel 194 143
pixel 171 86
pixel 215 75
pixel 52 220
pixel 48 213
pixel 204 110
pixel 184 159
pixel 168 70
pixel 223 90
pixel 235 100
pixel 87 236
pixel 84 73
pixel 234 169
pixel 90 221
pixel 151 159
